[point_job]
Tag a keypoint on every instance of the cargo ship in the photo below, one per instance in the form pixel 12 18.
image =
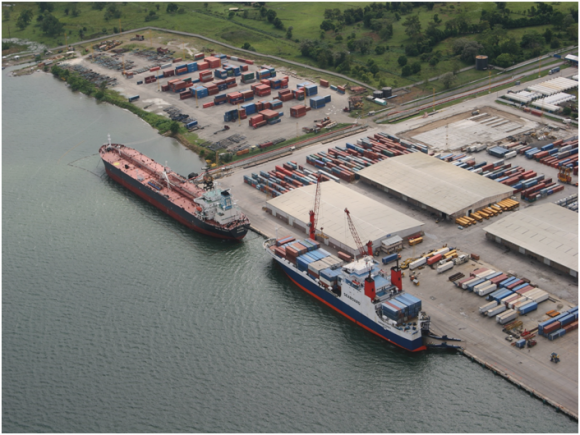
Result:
pixel 202 207
pixel 359 290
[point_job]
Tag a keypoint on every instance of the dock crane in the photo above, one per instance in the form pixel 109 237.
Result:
pixel 314 212
pixel 356 238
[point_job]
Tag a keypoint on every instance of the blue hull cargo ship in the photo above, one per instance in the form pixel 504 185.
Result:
pixel 359 290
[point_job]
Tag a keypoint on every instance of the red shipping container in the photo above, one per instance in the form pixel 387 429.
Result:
pixel 177 60
pixel 155 68
pixel 324 83
pixel 206 105
pixel 243 67
pixel 184 95
pixel 202 65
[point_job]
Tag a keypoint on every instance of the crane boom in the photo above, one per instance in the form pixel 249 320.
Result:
pixel 356 238
pixel 314 212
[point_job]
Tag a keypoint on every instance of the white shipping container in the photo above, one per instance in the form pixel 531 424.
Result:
pixel 510 298
pixel 540 298
pixel 445 267
pixel 534 292
pixel 478 287
pixel 510 155
pixel 506 317
pixel 418 263
pixel 496 310
pixel 485 274
pixel 487 290
pixel 485 308
pixel 440 251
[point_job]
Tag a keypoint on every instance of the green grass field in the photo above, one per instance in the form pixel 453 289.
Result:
pixel 212 20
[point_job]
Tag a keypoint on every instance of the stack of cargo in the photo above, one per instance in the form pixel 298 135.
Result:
pixel 212 89
pixel 200 92
pixel 192 67
pixel 150 79
pixel 285 95
pixel 203 65
pixel 248 95
pixel 319 102
pixel 168 73
pixel 180 70
pixel 220 99
pixel 324 83
pixel 198 56
pixel 261 90
pixel 186 94
pixel 286 177
pixel 298 111
pixel 249 77
pixel 235 98
pixel 177 86
pixel 257 121
pixel 231 115
pixel 299 94
pixel 205 76
pixel 341 89
pixel 559 325
pixel 344 162
pixel 213 62
pixel 309 88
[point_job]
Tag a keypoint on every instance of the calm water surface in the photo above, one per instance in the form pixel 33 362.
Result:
pixel 118 319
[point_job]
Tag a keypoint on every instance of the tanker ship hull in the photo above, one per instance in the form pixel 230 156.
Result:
pixel 309 286
pixel 176 212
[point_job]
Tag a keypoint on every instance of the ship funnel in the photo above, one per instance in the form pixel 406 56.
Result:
pixel 396 278
pixel 370 287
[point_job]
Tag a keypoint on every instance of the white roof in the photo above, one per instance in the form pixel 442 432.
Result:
pixel 547 230
pixel 372 220
pixel 435 183
pixel 571 57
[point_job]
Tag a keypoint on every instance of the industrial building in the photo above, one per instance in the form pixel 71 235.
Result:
pixel 373 221
pixel 547 232
pixel 434 185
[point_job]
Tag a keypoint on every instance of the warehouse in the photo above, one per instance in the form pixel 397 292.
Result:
pixel 548 233
pixel 434 185
pixel 372 220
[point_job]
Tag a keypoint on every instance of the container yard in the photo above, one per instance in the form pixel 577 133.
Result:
pixel 476 161
pixel 218 90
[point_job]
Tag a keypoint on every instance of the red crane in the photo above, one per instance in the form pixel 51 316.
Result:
pixel 314 213
pixel 356 238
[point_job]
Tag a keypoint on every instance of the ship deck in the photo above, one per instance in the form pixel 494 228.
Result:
pixel 145 170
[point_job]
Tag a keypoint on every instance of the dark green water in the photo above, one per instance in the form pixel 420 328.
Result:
pixel 117 319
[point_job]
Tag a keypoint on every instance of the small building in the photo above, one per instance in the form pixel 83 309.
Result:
pixel 373 221
pixel 547 233
pixel 481 63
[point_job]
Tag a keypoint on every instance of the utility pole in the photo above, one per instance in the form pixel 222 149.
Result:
pixel 489 83
pixel 433 99
pixel 539 67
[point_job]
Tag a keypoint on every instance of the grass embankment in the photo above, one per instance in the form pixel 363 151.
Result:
pixel 161 123
pixel 250 26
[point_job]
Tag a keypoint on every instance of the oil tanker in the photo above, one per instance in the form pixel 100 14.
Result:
pixel 359 290
pixel 206 209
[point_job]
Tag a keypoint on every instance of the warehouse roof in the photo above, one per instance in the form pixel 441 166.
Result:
pixel 435 183
pixel 548 230
pixel 372 220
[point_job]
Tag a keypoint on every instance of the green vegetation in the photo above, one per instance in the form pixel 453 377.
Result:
pixel 361 40
pixel 77 83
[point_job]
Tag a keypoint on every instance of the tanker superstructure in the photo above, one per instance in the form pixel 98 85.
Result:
pixel 208 210
pixel 360 290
